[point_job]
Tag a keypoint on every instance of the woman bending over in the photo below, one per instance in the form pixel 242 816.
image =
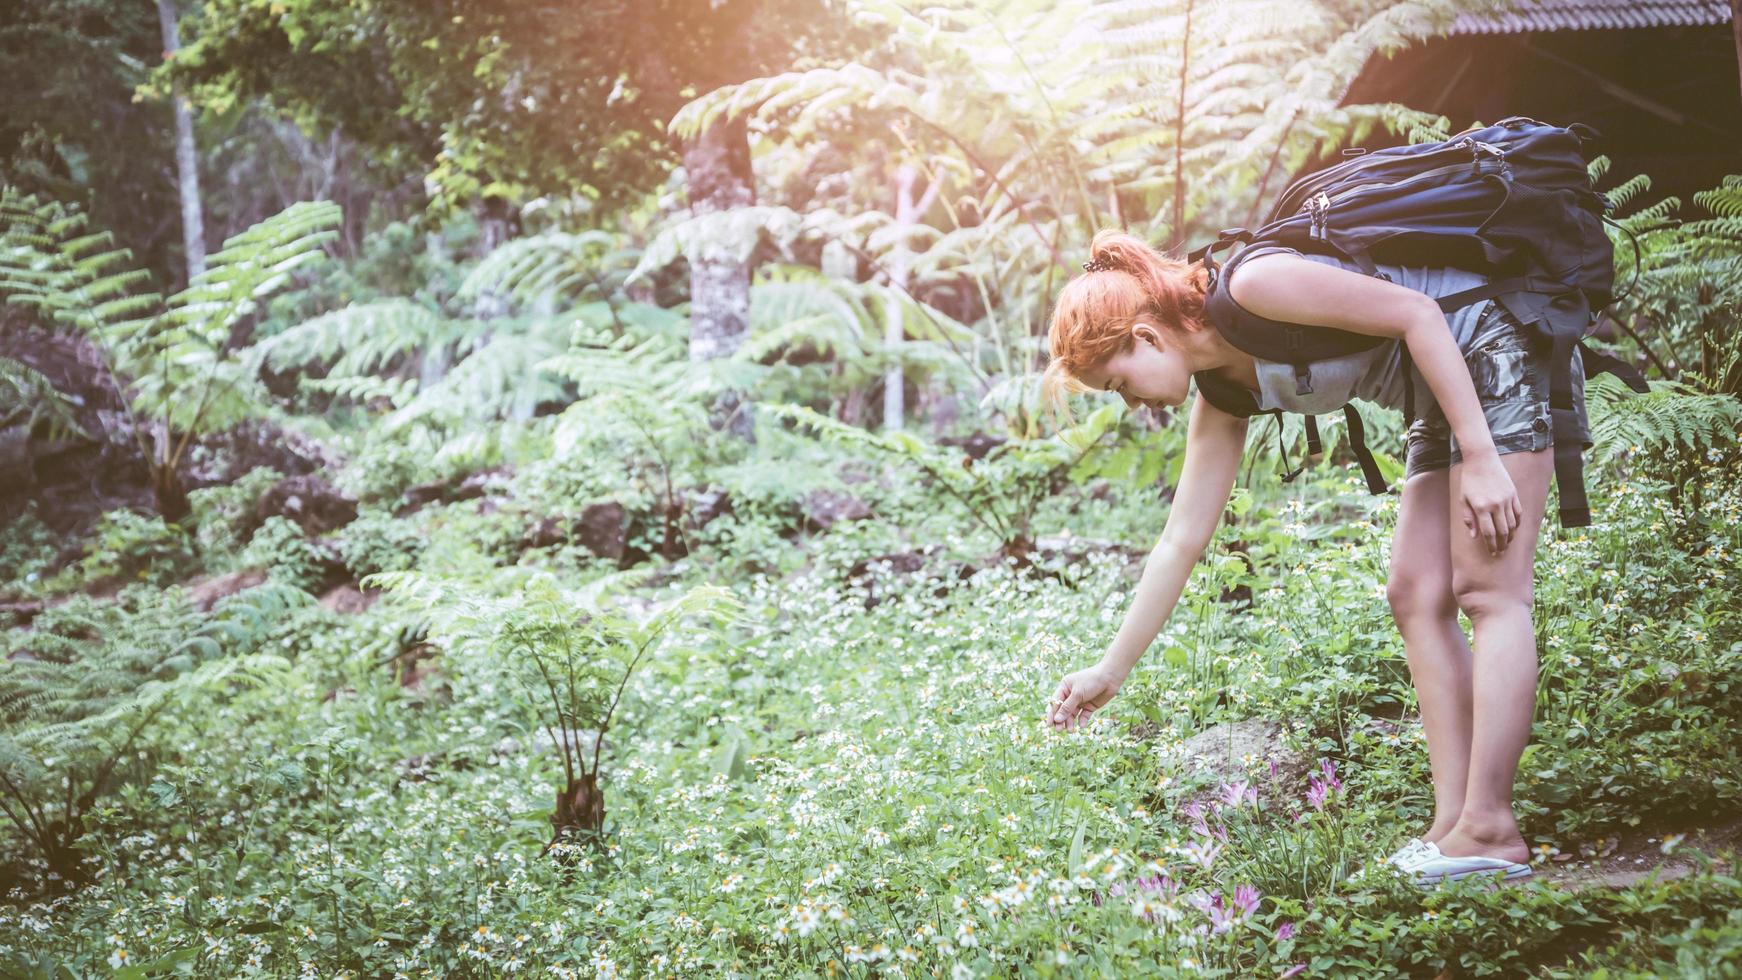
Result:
pixel 1478 466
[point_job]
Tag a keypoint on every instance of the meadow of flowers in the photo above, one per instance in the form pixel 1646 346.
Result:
pixel 852 776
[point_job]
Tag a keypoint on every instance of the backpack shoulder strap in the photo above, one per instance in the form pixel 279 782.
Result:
pixel 1274 340
pixel 1226 395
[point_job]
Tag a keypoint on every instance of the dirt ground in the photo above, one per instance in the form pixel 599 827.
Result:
pixel 1621 860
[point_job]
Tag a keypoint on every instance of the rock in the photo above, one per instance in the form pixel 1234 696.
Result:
pixel 414 665
pixel 604 530
pixel 75 480
pixel 314 504
pixel 826 508
pixel 976 445
pixel 348 599
pixel 470 487
pixel 227 456
pixel 206 592
pixel 548 532
pixel 866 572
pixel 1221 752
pixel 704 506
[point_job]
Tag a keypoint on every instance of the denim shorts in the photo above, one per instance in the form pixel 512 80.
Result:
pixel 1511 374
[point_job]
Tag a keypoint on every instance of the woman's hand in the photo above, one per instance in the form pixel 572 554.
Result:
pixel 1491 507
pixel 1080 694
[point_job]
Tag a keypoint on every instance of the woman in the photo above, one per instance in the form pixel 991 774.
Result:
pixel 1478 456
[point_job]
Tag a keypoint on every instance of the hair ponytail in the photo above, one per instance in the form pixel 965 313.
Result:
pixel 1127 279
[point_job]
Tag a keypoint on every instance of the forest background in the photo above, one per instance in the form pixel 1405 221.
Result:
pixel 494 488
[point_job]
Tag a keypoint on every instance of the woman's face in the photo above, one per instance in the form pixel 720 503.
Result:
pixel 1153 372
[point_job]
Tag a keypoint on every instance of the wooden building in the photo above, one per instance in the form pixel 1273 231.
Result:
pixel 1659 80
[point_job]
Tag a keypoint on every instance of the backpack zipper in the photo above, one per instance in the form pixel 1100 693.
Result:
pixel 1474 147
pixel 1318 208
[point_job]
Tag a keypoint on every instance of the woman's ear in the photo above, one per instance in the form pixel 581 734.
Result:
pixel 1147 333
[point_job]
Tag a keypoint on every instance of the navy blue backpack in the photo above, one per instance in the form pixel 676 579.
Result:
pixel 1513 200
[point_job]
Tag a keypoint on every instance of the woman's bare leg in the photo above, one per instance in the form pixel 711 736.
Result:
pixel 1425 609
pixel 1496 593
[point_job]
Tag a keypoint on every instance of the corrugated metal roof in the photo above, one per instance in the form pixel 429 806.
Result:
pixel 1581 15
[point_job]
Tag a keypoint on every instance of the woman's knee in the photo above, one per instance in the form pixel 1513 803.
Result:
pixel 1482 596
pixel 1415 595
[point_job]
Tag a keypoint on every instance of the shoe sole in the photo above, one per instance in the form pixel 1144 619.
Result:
pixel 1504 875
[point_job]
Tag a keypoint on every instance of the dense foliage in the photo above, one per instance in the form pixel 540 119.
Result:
pixel 533 664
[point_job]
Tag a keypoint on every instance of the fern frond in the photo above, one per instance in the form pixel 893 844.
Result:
pixel 28 397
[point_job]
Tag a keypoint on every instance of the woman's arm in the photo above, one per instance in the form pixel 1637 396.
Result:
pixel 1215 442
pixel 1296 290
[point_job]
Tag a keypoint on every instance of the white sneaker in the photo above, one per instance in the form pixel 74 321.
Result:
pixel 1404 858
pixel 1411 854
pixel 1431 867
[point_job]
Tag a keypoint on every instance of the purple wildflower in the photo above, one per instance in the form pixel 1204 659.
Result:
pixel 1316 792
pixel 1285 931
pixel 1234 794
pixel 1161 885
pixel 1222 918
pixel 1246 900
pixel 1292 971
pixel 1330 770
pixel 1203 853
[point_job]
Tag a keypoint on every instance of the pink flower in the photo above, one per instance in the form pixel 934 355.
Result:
pixel 1246 900
pixel 1329 768
pixel 1291 971
pixel 1222 918
pixel 1316 792
pixel 1285 931
pixel 1203 853
pixel 1161 885
pixel 1222 915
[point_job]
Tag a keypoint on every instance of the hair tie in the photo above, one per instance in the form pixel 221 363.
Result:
pixel 1097 265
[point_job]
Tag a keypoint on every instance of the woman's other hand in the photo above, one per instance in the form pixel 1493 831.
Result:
pixel 1491 507
pixel 1080 694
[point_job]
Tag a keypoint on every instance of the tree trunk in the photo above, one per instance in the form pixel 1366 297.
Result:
pixel 717 166
pixel 908 212
pixel 1179 134
pixel 1736 30
pixel 187 162
pixel 172 498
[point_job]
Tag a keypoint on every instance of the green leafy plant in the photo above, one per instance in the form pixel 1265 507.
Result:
pixel 79 692
pixel 570 650
pixel 1001 491
pixel 170 358
pixel 280 546
pixel 127 545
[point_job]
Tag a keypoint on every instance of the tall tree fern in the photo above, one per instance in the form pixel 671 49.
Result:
pixel 80 692
pixel 171 358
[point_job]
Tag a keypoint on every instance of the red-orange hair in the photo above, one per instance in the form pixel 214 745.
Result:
pixel 1092 319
